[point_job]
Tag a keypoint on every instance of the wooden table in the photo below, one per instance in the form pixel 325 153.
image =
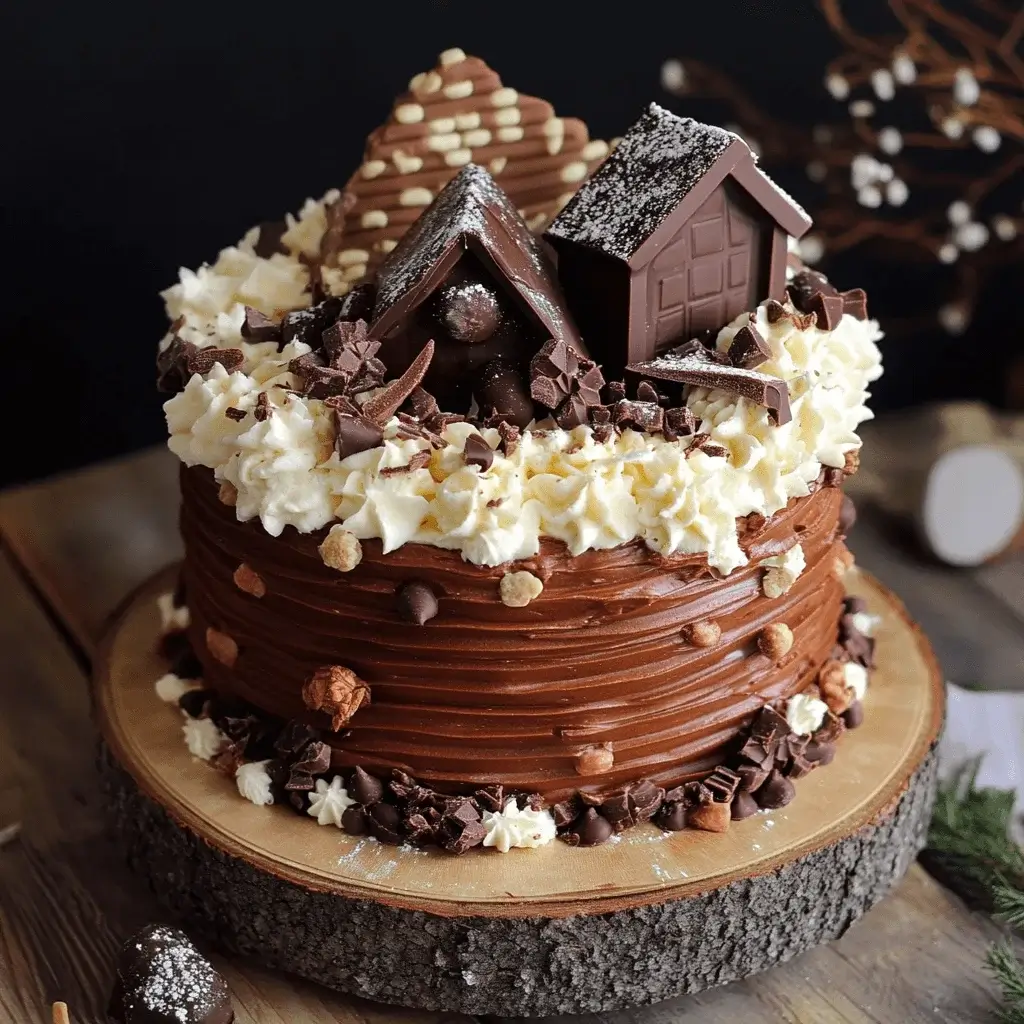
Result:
pixel 75 545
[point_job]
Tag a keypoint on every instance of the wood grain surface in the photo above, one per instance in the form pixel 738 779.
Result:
pixel 78 544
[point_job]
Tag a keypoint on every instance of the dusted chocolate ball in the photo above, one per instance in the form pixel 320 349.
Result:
pixel 469 312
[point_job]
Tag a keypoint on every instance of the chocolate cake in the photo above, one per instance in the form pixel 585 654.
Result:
pixel 496 538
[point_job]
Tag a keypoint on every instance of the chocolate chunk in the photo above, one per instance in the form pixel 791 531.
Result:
pixel 460 828
pixel 672 817
pixel 820 752
pixel 748 349
pixel 469 311
pixel 565 812
pixel 853 716
pixel 490 798
pixel 416 602
pixel 828 310
pixel 565 382
pixel 681 422
pixel 258 327
pixel 751 777
pixel 776 792
pixel 806 286
pixel 269 241
pixel 234 414
pixel 646 417
pixel 365 788
pixel 743 806
pixel 385 823
pixel 510 437
pixel 591 829
pixel 477 452
pixel 262 410
pixel 314 759
pixel 771 392
pixel 723 783
pixel 177 364
pixel 645 392
pixel 420 829
pixel 799 766
pixel 294 737
pixel 162 977
pixel 355 434
pixel 855 303
pixel 847 515
pixel 775 311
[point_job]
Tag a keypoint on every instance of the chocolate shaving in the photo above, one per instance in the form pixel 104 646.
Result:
pixel 771 392
pixel 827 310
pixel 385 404
pixel 510 435
pixel 181 360
pixel 418 460
pixel 235 414
pixel 262 410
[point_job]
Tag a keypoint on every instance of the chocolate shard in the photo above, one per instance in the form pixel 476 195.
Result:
pixel 307 325
pixel 723 783
pixel 806 286
pixel 749 349
pixel 355 433
pixel 477 452
pixel 827 310
pixel 565 382
pixel 855 303
pixel 386 403
pixel 647 417
pixel 258 327
pixel 771 392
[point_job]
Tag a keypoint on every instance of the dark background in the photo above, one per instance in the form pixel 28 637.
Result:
pixel 141 138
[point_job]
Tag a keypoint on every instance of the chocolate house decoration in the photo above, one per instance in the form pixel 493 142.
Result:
pixel 470 275
pixel 676 233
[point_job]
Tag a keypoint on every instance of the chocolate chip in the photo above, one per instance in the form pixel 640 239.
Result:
pixel 853 716
pixel 776 792
pixel 743 805
pixel 353 821
pixel 672 817
pixel 477 452
pixel 365 788
pixel 416 602
pixel 847 515
pixel 385 823
pixel 257 327
pixel 565 812
pixel 591 829
pixel 820 752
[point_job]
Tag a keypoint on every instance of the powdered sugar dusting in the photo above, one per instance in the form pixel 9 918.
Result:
pixel 659 160
pixel 177 984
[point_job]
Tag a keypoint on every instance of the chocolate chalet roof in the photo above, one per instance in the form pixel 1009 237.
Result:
pixel 661 162
pixel 472 212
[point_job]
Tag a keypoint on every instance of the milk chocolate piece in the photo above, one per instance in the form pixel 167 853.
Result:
pixel 258 327
pixel 669 178
pixel 828 310
pixel 855 302
pixel 365 788
pixel 477 452
pixel 565 382
pixel 806 286
pixel 771 392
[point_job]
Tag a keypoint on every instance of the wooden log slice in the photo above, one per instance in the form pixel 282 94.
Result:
pixel 647 917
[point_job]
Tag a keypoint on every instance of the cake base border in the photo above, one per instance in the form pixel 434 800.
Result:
pixel 522 962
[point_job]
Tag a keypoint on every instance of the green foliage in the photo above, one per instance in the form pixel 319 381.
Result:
pixel 1003 965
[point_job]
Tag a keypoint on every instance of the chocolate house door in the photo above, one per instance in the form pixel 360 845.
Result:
pixel 708 273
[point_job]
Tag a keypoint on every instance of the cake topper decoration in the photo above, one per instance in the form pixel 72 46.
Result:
pixel 456 114
pixel 566 383
pixel 683 232
pixel 698 370
pixel 471 276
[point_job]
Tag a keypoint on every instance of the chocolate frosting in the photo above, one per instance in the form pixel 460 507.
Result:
pixel 485 693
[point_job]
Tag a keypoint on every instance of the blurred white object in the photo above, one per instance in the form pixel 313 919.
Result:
pixel 987 724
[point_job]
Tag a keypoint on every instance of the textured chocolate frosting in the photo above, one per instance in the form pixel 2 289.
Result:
pixel 485 693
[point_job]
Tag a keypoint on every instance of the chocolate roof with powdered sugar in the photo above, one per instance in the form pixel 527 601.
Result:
pixel 471 213
pixel 661 162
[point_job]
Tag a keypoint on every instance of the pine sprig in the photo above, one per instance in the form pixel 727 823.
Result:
pixel 969 845
pixel 1003 965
